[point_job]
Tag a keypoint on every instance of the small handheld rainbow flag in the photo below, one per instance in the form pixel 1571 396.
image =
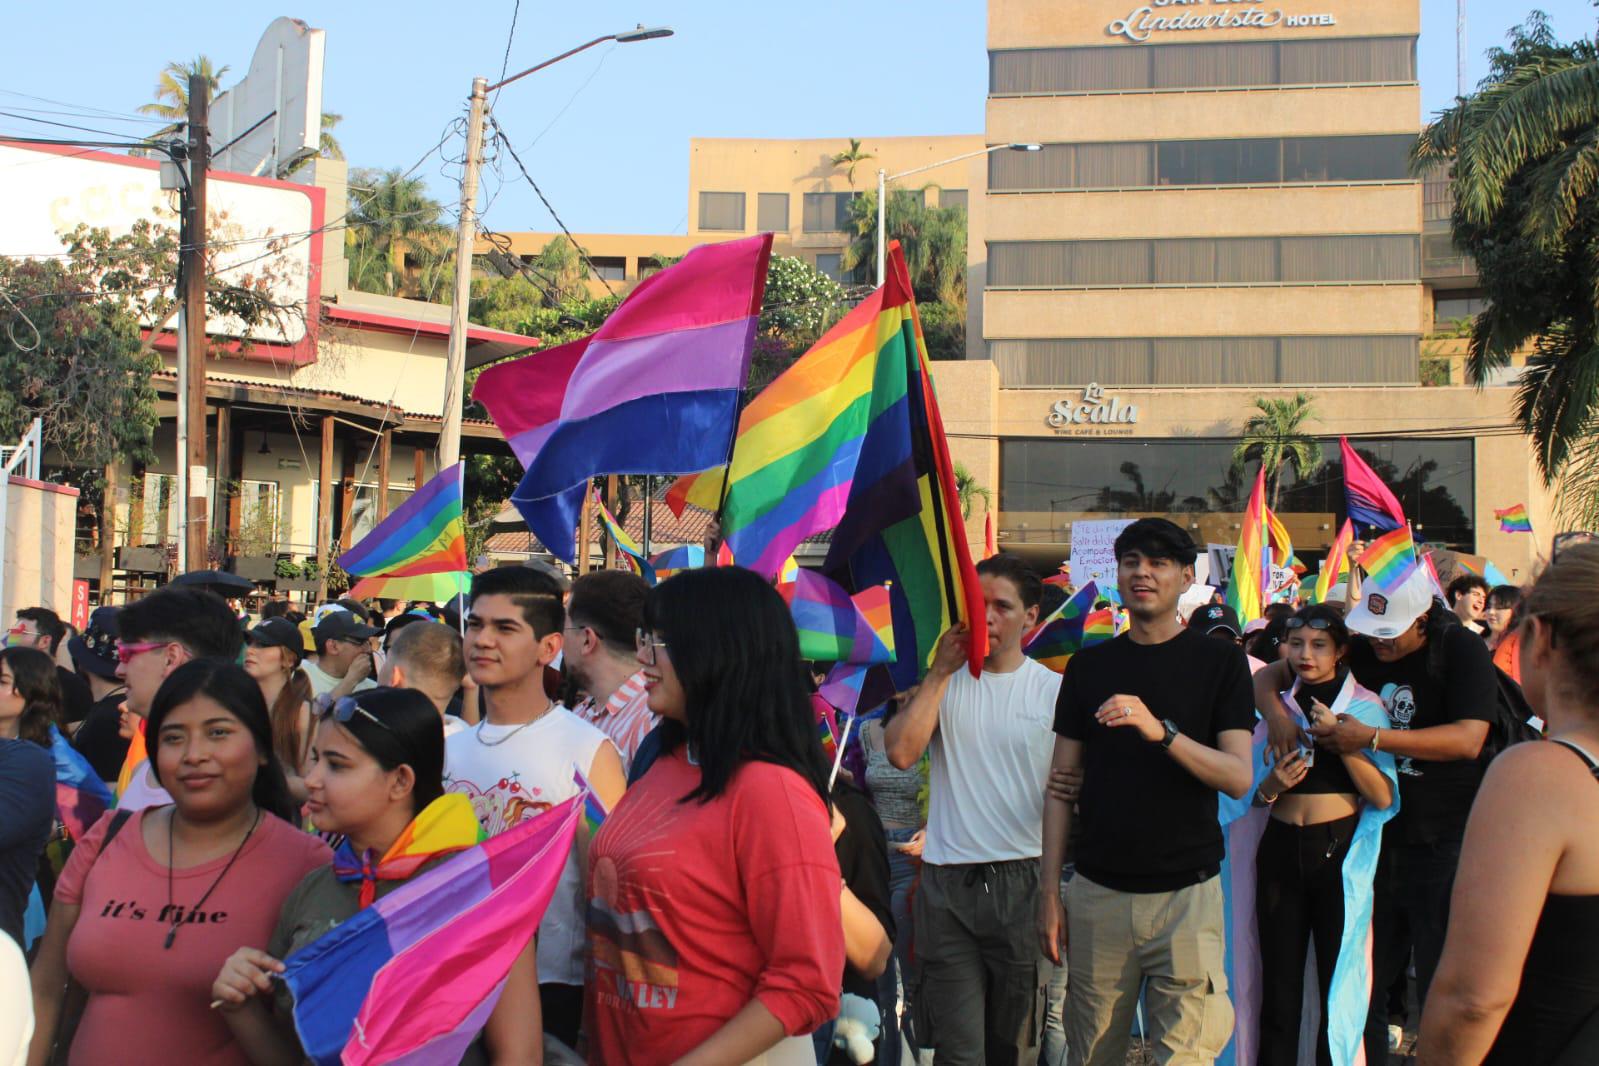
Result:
pixel 1335 567
pixel 1073 626
pixel 403 555
pixel 1514 519
pixel 594 811
pixel 824 733
pixel 625 545
pixel 1390 559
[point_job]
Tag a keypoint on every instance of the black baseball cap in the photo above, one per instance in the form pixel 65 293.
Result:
pixel 1214 616
pixel 342 625
pixel 278 632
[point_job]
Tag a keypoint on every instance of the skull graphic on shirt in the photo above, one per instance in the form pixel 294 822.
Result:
pixel 1400 700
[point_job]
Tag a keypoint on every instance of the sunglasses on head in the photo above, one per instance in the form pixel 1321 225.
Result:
pixel 346 708
pixel 1319 624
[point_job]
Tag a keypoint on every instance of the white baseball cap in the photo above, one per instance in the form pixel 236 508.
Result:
pixel 1385 614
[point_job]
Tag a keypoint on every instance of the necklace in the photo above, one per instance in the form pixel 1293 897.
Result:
pixel 177 920
pixel 478 732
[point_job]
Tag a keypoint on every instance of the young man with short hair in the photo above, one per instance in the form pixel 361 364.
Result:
pixel 519 760
pixel 156 635
pixel 1437 682
pixel 1159 720
pixel 427 656
pixel 988 738
pixel 603 616
pixel 1468 598
pixel 343 661
pixel 42 628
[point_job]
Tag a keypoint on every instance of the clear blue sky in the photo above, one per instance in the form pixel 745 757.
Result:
pixel 606 133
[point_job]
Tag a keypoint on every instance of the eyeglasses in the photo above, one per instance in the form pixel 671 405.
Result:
pixel 648 644
pixel 126 653
pixel 347 708
pixel 1321 625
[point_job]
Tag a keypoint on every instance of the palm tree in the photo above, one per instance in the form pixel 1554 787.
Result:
pixel 850 158
pixel 391 221
pixel 1524 151
pixel 933 240
pixel 172 92
pixel 1275 435
pixel 968 489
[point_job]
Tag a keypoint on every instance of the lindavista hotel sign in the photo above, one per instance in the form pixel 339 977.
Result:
pixel 1161 19
pixel 1096 415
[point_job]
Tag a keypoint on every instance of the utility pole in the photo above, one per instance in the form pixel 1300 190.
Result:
pixel 191 351
pixel 466 234
pixel 1460 48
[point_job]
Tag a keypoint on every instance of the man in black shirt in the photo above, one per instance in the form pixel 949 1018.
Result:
pixel 94 652
pixel 1159 719
pixel 1437 682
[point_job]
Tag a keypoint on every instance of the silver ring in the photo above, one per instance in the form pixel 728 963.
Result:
pixel 1127 712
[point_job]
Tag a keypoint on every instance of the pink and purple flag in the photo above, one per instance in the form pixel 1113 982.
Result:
pixel 81 797
pixel 655 390
pixel 1368 500
pixel 414 977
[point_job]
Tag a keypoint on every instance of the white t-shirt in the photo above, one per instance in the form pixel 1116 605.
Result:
pixel 142 791
pixel 514 772
pixel 322 683
pixel 452 725
pixel 989 763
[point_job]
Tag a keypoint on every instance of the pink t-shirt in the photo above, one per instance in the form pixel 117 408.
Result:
pixel 695 909
pixel 148 1004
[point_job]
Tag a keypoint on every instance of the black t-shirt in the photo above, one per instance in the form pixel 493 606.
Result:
pixel 1148 825
pixel 1327 773
pixel 99 739
pixel 76 699
pixel 1434 797
pixel 862 852
pixel 27 814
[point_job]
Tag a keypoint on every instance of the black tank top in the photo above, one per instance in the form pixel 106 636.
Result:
pixel 1560 982
pixel 1328 774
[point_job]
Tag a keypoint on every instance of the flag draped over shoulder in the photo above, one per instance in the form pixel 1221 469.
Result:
pixel 850 438
pixel 81 797
pixel 415 976
pixel 424 535
pixel 655 390
pixel 1246 590
pixel 1366 497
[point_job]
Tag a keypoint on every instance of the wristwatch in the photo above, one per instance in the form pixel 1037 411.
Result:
pixel 1171 732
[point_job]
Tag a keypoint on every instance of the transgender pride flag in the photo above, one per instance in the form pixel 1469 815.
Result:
pixel 414 977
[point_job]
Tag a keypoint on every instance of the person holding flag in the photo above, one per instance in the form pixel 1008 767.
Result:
pixel 376 778
pixel 988 740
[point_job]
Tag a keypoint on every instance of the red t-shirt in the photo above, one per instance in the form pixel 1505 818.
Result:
pixel 695 909
pixel 149 1004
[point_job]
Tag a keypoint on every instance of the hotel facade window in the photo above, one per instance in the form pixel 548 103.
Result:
pixel 771 212
pixel 722 211
pixel 827 212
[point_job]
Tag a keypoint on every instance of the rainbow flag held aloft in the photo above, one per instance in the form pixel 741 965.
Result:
pixel 850 438
pixel 1514 519
pixel 673 560
pixel 1390 559
pixel 415 976
pixel 627 548
pixel 426 588
pixel 655 390
pixel 1065 632
pixel 424 535
pixel 843 686
pixel 1368 501
pixel 1247 588
pixel 81 797
pixel 1335 567
pixel 836 627
pixel 594 811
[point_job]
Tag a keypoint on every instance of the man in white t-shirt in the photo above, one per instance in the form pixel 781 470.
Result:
pixel 427 656
pixel 519 760
pixel 989 740
pixel 343 661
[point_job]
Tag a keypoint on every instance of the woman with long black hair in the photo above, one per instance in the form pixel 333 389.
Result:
pixel 151 902
pixel 30 701
pixel 714 918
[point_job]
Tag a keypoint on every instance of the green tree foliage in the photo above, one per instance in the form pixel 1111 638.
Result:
pixel 969 489
pixel 397 241
pixel 172 92
pixel 933 240
pixel 1275 434
pixel 1524 151
pixel 850 159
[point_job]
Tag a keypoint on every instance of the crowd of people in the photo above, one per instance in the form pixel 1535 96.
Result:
pixel 1379 809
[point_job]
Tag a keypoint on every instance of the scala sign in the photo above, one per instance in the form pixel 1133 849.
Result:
pixel 1094 410
pixel 1163 16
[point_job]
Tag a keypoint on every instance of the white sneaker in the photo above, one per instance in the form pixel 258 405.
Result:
pixel 1396 1036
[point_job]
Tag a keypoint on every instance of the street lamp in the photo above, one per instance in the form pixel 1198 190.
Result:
pixel 466 232
pixel 884 178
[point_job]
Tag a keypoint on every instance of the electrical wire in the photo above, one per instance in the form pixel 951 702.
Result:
pixel 505 64
pixel 499 133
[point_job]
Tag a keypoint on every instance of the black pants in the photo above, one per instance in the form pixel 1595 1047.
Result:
pixel 1299 900
pixel 1414 883
pixel 562 1007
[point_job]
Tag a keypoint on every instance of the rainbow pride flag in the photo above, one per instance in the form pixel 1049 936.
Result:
pixel 850 438
pixel 673 560
pixel 1246 590
pixel 843 686
pixel 1064 633
pixel 836 627
pixel 1390 559
pixel 424 535
pixel 824 733
pixel 594 811
pixel 1335 567
pixel 81 797
pixel 415 976
pixel 1514 519
pixel 626 547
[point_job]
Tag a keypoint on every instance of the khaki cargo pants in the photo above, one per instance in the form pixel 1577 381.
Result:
pixel 1171 940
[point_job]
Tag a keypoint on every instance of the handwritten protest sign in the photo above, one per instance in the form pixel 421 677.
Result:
pixel 1094 554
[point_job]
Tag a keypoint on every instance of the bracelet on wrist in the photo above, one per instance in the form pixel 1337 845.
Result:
pixel 1376 735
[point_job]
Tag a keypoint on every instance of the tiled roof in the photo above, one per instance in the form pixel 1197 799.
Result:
pixel 666 530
